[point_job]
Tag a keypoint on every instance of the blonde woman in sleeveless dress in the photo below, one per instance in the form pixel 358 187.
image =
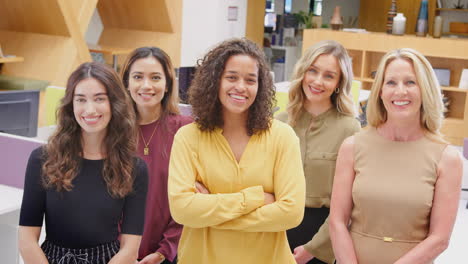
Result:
pixel 397 183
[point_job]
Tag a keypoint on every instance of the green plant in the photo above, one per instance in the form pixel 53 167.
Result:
pixel 304 18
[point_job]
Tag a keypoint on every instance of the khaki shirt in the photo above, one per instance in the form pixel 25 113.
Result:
pixel 320 139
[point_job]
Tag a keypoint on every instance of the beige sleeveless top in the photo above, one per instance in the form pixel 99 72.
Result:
pixel 392 194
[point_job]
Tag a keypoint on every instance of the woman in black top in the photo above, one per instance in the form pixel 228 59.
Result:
pixel 87 180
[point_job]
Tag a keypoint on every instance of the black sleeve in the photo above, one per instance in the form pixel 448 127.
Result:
pixel 33 205
pixel 135 203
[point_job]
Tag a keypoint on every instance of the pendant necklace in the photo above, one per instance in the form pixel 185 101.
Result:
pixel 146 148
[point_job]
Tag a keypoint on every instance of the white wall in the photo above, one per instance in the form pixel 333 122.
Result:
pixel 95 28
pixel 205 23
pixel 348 8
pixel 300 5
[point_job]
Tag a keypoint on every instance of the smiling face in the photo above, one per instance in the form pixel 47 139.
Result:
pixel 401 94
pixel 321 79
pixel 239 85
pixel 147 84
pixel 91 106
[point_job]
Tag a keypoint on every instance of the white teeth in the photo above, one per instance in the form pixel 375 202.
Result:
pixel 91 119
pixel 238 97
pixel 146 95
pixel 316 90
pixel 401 102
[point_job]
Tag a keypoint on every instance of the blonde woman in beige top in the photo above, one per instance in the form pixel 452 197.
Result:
pixel 397 183
pixel 321 112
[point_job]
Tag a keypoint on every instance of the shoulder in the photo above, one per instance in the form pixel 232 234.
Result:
pixel 347 147
pixel 283 117
pixel 348 123
pixel 177 121
pixel 282 130
pixel 37 155
pixel 451 158
pixel 188 130
pixel 188 135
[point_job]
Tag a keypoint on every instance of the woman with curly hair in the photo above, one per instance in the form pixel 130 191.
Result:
pixel 148 76
pixel 87 180
pixel 235 177
pixel 321 113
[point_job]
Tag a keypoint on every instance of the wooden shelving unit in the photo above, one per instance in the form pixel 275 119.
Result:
pixel 367 49
pixel 139 23
pixel 11 59
pixel 452 9
pixel 453 33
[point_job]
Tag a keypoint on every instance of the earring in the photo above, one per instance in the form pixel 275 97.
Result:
pixel 337 90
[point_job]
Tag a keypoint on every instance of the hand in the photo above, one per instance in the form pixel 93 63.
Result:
pixel 153 258
pixel 201 188
pixel 269 198
pixel 301 255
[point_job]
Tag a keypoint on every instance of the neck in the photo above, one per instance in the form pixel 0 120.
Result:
pixel 316 109
pixel 148 115
pixel 234 123
pixel 407 130
pixel 93 146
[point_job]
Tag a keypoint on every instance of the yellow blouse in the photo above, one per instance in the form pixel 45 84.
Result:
pixel 232 224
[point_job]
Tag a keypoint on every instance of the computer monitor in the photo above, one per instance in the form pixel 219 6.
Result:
pixel 19 112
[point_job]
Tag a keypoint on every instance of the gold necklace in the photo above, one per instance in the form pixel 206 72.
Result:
pixel 146 148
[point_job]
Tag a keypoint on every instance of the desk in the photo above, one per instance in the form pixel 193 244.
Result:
pixel 10 204
pixel 10 199
pixel 114 51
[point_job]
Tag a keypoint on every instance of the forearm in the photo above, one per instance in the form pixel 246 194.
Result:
pixel 32 253
pixel 198 210
pixel 320 246
pixel 128 252
pixel 170 241
pixel 342 244
pixel 275 217
pixel 425 252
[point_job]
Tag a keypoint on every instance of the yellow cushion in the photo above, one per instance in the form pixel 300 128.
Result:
pixel 355 88
pixel 53 96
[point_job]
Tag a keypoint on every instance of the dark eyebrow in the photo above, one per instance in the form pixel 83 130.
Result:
pixel 137 72
pixel 82 95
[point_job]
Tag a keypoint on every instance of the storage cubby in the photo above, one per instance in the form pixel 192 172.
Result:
pixel 356 56
pixel 367 49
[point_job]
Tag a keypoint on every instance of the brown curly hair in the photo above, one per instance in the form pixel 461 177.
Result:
pixel 203 92
pixel 62 154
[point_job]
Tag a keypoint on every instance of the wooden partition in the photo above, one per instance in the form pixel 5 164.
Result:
pixel 47 34
pixel 132 24
pixel 255 20
pixel 366 50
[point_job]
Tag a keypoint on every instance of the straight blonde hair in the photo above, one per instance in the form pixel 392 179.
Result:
pixel 431 106
pixel 342 99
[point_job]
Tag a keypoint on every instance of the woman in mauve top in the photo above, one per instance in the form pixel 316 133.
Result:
pixel 148 75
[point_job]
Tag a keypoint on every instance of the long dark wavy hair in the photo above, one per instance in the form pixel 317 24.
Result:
pixel 204 90
pixel 64 151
